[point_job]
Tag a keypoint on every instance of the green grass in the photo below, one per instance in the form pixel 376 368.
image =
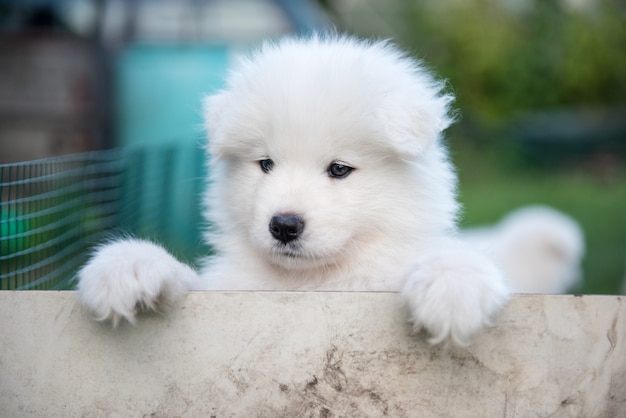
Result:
pixel 494 183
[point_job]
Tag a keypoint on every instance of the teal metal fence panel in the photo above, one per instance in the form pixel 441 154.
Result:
pixel 53 211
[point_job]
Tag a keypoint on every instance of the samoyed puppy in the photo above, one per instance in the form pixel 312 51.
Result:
pixel 539 248
pixel 327 173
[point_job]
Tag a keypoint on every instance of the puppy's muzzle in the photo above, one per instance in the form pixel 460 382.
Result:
pixel 286 227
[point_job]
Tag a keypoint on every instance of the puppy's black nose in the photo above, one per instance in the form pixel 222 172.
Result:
pixel 286 227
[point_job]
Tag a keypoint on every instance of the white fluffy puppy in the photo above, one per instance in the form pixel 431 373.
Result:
pixel 539 248
pixel 328 173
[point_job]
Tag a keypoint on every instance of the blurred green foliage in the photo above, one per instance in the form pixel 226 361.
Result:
pixel 503 63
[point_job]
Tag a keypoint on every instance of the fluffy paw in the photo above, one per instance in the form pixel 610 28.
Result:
pixel 454 294
pixel 126 276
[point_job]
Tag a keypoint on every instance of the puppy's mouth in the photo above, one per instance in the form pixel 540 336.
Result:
pixel 294 256
pixel 289 251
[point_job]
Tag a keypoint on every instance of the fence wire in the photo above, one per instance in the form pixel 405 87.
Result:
pixel 52 211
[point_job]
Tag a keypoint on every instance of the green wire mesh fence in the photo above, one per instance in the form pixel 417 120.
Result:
pixel 52 211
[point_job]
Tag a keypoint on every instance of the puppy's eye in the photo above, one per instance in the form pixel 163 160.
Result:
pixel 339 171
pixel 266 165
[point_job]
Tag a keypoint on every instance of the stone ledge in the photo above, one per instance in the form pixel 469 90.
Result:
pixel 293 354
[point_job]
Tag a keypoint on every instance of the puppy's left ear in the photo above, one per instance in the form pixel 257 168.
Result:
pixel 213 114
pixel 414 122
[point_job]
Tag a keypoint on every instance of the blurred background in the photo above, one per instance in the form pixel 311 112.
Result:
pixel 540 87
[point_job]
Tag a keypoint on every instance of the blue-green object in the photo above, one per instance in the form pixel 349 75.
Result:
pixel 159 91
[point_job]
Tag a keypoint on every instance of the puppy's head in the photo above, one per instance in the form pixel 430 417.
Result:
pixel 315 145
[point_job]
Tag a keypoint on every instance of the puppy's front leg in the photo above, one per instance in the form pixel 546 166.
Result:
pixel 454 293
pixel 126 276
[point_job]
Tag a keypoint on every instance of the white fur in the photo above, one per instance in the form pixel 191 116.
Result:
pixel 539 248
pixel 389 225
pixel 129 275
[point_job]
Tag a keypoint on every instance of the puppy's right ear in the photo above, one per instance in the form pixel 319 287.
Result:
pixel 213 114
pixel 415 118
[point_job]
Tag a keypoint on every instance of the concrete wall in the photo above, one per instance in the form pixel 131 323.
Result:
pixel 309 355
